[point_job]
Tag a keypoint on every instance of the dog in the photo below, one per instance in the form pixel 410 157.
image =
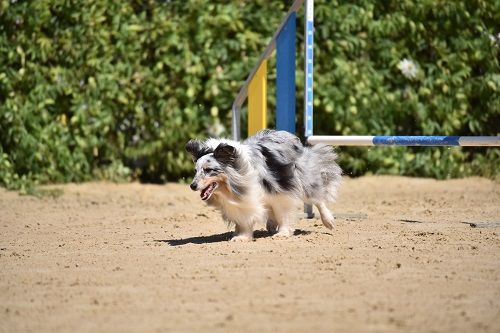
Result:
pixel 263 180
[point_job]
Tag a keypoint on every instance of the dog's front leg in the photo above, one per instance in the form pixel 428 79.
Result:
pixel 271 224
pixel 243 232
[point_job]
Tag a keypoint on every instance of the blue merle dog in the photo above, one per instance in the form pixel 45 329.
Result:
pixel 264 179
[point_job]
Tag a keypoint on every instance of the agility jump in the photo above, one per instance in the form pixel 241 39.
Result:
pixel 255 87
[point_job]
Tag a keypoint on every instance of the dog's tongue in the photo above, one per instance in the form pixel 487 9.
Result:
pixel 206 193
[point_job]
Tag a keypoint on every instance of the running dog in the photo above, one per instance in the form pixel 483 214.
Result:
pixel 263 180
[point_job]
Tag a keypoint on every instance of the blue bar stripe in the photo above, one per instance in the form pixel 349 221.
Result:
pixel 417 140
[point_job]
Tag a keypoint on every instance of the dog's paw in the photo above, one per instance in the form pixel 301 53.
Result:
pixel 284 232
pixel 328 223
pixel 242 238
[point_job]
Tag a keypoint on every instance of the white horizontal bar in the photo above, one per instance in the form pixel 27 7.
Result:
pixel 475 141
pixel 341 140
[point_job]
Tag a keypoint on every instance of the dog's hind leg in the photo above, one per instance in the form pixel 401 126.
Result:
pixel 284 211
pixel 326 216
pixel 271 224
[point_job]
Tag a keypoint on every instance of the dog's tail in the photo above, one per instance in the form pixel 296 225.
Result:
pixel 322 173
pixel 321 176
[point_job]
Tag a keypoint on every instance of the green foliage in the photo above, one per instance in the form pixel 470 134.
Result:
pixel 106 89
pixel 456 89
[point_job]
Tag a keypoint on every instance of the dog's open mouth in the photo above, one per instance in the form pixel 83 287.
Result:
pixel 207 192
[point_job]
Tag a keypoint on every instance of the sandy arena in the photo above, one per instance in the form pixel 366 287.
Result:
pixel 414 255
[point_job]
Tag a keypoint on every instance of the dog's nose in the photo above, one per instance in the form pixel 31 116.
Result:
pixel 193 186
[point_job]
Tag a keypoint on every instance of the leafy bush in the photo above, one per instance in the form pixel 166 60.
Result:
pixel 92 89
pixel 454 89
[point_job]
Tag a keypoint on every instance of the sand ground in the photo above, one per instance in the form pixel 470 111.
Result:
pixel 147 258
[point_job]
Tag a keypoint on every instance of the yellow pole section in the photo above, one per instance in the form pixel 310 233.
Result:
pixel 257 106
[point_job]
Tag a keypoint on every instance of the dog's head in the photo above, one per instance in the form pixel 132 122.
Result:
pixel 211 165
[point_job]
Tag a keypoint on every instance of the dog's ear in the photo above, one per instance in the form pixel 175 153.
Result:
pixel 225 154
pixel 198 149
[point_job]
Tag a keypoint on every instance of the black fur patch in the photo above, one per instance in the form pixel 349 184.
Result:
pixel 282 172
pixel 197 149
pixel 267 186
pixel 225 154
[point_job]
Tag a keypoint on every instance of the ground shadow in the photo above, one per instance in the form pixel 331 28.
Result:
pixel 220 238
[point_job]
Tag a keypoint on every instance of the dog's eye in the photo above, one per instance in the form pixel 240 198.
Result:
pixel 208 170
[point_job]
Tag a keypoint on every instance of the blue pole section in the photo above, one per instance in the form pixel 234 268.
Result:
pixel 308 68
pixel 285 76
pixel 416 140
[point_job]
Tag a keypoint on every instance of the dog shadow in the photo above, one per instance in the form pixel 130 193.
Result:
pixel 224 237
